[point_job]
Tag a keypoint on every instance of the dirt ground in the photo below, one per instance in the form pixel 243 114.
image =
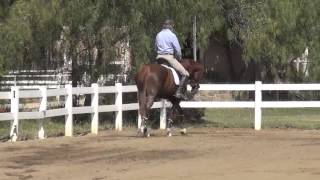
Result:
pixel 203 154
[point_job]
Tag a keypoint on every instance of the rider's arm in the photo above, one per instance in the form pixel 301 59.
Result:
pixel 176 46
pixel 155 43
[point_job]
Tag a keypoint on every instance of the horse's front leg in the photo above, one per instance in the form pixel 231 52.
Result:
pixel 170 121
pixel 183 130
pixel 169 128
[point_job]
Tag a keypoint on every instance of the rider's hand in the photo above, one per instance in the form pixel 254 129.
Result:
pixel 178 58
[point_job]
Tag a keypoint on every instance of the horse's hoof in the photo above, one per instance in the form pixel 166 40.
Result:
pixel 145 132
pixel 140 131
pixel 183 131
pixel 146 135
pixel 169 133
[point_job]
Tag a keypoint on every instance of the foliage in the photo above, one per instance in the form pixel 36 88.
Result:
pixel 36 33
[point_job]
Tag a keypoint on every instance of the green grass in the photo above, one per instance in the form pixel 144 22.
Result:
pixel 303 118
pixel 229 118
pixel 4 129
pixel 28 129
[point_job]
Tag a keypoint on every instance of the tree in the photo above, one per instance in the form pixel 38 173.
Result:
pixel 38 33
pixel 272 32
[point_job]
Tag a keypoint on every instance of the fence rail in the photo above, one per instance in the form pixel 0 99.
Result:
pixel 68 111
pixel 30 79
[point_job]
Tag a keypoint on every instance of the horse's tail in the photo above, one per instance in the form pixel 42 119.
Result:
pixel 142 91
pixel 140 77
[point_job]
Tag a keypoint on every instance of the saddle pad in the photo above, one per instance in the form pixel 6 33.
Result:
pixel 174 73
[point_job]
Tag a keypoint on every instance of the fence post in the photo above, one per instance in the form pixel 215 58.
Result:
pixel 139 120
pixel 95 105
pixel 58 97
pixel 163 114
pixel 15 113
pixel 42 109
pixel 257 106
pixel 68 106
pixel 118 103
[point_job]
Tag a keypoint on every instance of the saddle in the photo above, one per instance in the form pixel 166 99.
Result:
pixel 176 76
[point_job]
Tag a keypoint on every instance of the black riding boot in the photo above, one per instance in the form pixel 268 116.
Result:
pixel 181 92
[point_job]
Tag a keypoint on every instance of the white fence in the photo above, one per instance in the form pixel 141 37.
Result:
pixel 68 111
pixel 31 79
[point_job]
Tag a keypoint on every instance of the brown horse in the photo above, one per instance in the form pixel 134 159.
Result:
pixel 155 81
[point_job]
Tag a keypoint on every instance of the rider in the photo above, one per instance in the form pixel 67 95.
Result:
pixel 168 48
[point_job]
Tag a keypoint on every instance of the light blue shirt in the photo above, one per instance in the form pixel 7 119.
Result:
pixel 167 43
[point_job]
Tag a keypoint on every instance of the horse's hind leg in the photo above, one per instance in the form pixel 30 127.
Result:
pixel 145 103
pixel 143 126
pixel 147 107
pixel 143 112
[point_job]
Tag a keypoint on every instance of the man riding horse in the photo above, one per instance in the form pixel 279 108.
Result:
pixel 155 81
pixel 168 48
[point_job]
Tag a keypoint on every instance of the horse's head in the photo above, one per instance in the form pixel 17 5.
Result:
pixel 196 71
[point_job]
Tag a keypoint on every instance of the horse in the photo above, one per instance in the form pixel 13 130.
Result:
pixel 156 81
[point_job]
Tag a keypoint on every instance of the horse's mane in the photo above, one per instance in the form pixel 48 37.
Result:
pixel 191 65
